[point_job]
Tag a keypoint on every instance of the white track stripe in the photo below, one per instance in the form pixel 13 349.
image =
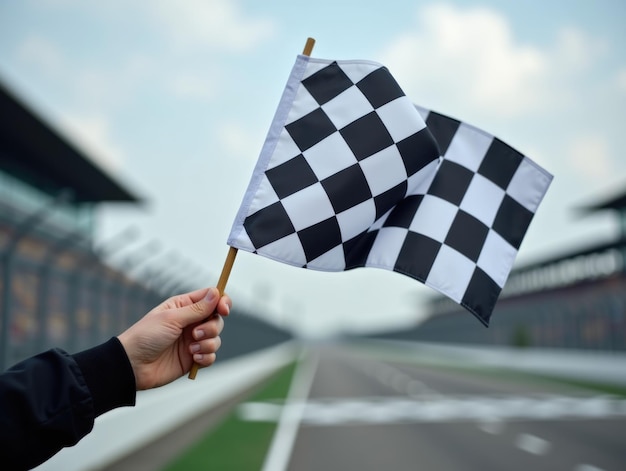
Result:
pixel 279 453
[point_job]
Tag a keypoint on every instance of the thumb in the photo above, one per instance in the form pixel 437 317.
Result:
pixel 200 310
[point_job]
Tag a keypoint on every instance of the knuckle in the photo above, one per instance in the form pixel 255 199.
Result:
pixel 214 329
pixel 198 308
pixel 213 344
pixel 209 359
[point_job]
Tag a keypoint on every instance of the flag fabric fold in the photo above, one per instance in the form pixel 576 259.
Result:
pixel 353 174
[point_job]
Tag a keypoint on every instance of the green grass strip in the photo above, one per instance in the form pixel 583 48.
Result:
pixel 236 444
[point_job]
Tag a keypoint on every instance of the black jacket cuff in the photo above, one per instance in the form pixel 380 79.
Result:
pixel 108 375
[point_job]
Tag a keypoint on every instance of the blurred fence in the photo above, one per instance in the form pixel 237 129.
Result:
pixel 57 291
pixel 584 316
pixel 70 300
pixel 75 301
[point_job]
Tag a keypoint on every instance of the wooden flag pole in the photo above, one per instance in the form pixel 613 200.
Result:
pixel 232 252
pixel 221 286
pixel 308 47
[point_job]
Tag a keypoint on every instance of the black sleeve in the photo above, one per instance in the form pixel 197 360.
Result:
pixel 50 401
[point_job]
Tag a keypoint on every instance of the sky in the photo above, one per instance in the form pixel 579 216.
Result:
pixel 174 98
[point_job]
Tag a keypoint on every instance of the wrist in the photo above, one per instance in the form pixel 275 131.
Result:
pixel 126 343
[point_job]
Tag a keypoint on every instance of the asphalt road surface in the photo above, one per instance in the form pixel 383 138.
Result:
pixel 349 410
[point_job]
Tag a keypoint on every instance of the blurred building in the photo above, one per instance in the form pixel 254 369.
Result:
pixel 56 288
pixel 575 300
pixel 53 285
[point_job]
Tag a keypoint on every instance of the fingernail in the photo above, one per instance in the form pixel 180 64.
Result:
pixel 195 347
pixel 210 296
pixel 198 357
pixel 199 334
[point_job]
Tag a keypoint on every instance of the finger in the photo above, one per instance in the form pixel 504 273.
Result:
pixel 209 329
pixel 184 299
pixel 224 306
pixel 206 347
pixel 198 294
pixel 199 310
pixel 204 360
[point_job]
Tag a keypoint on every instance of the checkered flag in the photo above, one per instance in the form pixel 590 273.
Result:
pixel 352 174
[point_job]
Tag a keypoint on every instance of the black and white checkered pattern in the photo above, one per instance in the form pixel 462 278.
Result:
pixel 352 174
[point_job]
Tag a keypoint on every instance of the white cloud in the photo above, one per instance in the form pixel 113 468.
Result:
pixel 469 56
pixel 41 53
pixel 196 30
pixel 576 50
pixel 88 96
pixel 210 23
pixel 214 24
pixel 590 156
pixel 92 86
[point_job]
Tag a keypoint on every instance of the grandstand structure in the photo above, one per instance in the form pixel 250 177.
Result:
pixel 56 288
pixel 576 300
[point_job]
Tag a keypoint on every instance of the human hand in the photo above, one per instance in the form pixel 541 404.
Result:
pixel 163 345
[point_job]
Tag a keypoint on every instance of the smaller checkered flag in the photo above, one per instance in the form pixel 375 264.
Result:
pixel 353 174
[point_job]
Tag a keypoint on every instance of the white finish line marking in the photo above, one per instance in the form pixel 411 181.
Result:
pixel 587 467
pixel 493 427
pixel 433 409
pixel 532 444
